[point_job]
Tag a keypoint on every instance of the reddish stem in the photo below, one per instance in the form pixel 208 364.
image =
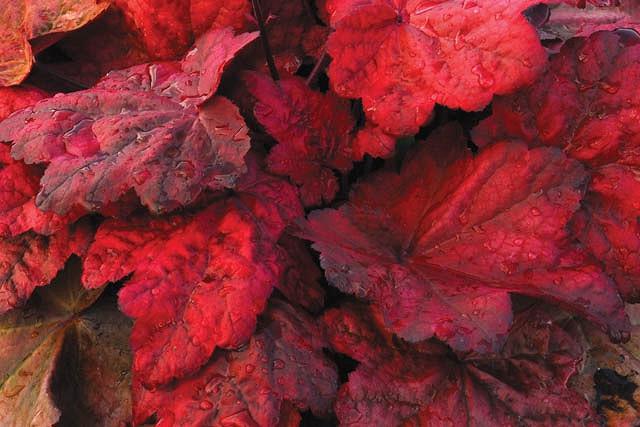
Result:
pixel 321 63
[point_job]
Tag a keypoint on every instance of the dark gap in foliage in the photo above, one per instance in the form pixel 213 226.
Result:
pixel 611 386
pixel 310 420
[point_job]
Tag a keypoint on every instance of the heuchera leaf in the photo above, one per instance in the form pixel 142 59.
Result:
pixel 31 260
pixel 587 104
pixel 402 58
pixel 566 22
pixel 219 14
pixel 24 20
pixel 272 200
pixel 439 247
pixel 162 25
pixel 401 384
pixel 167 33
pixel 313 130
pixel 300 282
pixel 19 185
pixel 282 363
pixel 199 282
pixel 85 65
pixel 18 97
pixel 57 338
pixel 372 140
pixel 152 128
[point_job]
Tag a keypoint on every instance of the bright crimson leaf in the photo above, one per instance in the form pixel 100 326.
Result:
pixel 199 282
pixel 313 130
pixel 147 128
pixel 282 363
pixel 439 247
pixel 163 25
pixel 225 263
pixel 19 184
pixel 403 57
pixel 17 97
pixel 272 200
pixel 588 105
pixel 372 140
pixel 401 384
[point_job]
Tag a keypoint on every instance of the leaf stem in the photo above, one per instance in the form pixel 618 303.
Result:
pixel 321 63
pixel 257 12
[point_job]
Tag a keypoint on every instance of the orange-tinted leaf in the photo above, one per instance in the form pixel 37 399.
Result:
pixel 24 20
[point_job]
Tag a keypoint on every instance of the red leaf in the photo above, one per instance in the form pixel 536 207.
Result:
pixel 163 25
pixel 25 20
pixel 439 247
pixel 372 140
pixel 611 228
pixel 199 281
pixel 282 363
pixel 272 200
pixel 587 104
pixel 402 58
pixel 143 129
pixel 219 14
pixel 19 185
pixel 300 283
pixel 17 97
pixel 30 260
pixel 400 384
pixel 313 131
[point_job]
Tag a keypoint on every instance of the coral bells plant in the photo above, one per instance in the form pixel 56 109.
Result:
pixel 319 212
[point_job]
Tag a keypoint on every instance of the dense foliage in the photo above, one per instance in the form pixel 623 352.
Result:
pixel 330 212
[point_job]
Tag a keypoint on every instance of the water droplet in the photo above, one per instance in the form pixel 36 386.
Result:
pixel 173 152
pixel 185 169
pixel 527 63
pixel 13 391
pixel 34 334
pixel 155 291
pixel 249 368
pixel 422 10
pixel 278 364
pixel 468 4
pixel 535 211
pixel 458 41
pixel 609 87
pixel 485 79
pixel 205 404
pixel 140 177
pixel 582 57
pixel 518 242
